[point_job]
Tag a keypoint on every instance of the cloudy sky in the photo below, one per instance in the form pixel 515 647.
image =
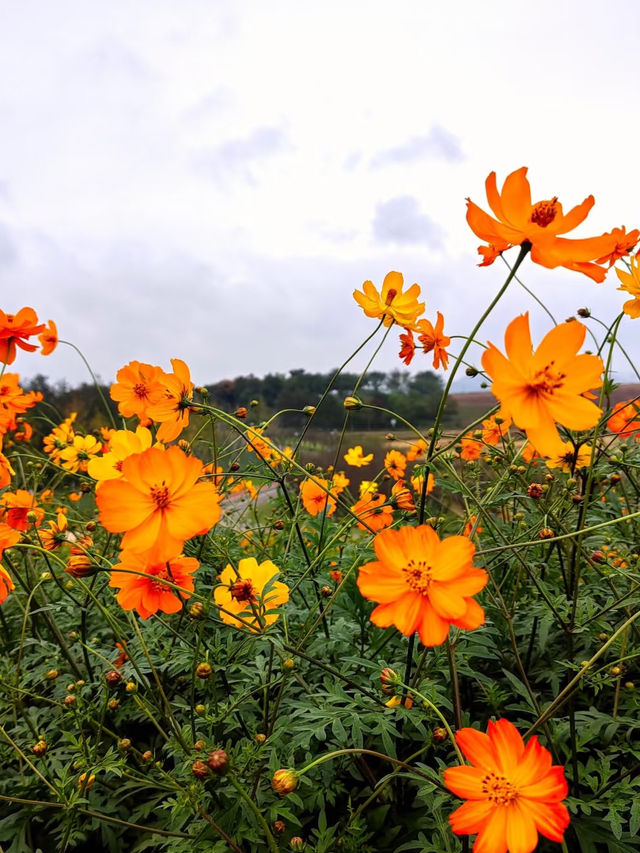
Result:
pixel 210 180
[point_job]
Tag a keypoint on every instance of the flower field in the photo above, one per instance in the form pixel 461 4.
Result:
pixel 211 643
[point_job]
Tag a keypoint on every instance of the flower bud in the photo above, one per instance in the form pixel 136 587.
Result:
pixel 241 413
pixel 284 782
pixel 113 677
pixel 583 312
pixel 471 371
pixel 124 743
pixel 260 738
pixel 203 670
pixel 51 674
pixel 147 755
pixel 439 734
pixel 199 769
pixel 389 679
pixel 296 843
pixel 309 410
pixel 546 533
pixel 85 487
pixel 32 516
pixel 352 404
pixel 131 687
pixel 278 524
pixel 535 491
pixel 70 700
pixel 326 591
pixel 235 466
pixel 196 611
pixel 39 748
pixel 85 782
pixel 218 761
pixel 279 827
pixel 113 704
pixel 90 526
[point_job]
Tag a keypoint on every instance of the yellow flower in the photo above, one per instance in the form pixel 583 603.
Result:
pixel 242 597
pixel 564 456
pixel 78 454
pixel 122 443
pixel 368 487
pixel 391 304
pixel 355 457
pixel 631 283
pixel 339 482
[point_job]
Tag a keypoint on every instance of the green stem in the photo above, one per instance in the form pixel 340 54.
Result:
pixel 254 808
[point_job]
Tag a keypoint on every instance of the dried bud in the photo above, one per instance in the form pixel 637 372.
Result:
pixel 547 533
pixel 199 769
pixel 583 312
pixel 241 413
pixel 203 670
pixel 235 466
pixel 279 827
pixel 113 677
pixel 90 526
pixel 471 371
pixel 278 524
pixel 326 591
pixel 439 734
pixel 615 478
pixel 352 404
pixel 124 743
pixel 535 491
pixel 85 487
pixel 70 700
pixel 218 761
pixel 113 704
pixel 39 748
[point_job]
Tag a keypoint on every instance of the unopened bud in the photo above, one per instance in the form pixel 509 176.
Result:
pixel 199 769
pixel 535 491
pixel 51 674
pixel 352 404
pixel 70 700
pixel 583 312
pixel 86 781
pixel 241 413
pixel 546 533
pixel 39 748
pixel 279 827
pixel 113 677
pixel 131 687
pixel 471 371
pixel 147 755
pixel 124 743
pixel 196 611
pixel 113 704
pixel 389 679
pixel 284 782
pixel 309 410
pixel 278 524
pixel 218 761
pixel 203 670
pixel 439 734
pixel 260 738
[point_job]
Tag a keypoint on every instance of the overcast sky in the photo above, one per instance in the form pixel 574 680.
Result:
pixel 211 180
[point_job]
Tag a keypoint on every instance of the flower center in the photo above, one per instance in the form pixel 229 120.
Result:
pixel 242 590
pixel 159 571
pixel 544 212
pixel 418 576
pixel 547 380
pixel 499 789
pixel 391 295
pixel 140 390
pixel 160 496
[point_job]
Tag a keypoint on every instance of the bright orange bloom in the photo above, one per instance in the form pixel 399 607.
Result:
pixel 396 464
pixel 13 401
pixel 407 347
pixel 6 584
pixel 492 431
pixel 519 221
pixel 159 501
pixel 539 388
pixel 137 387
pixel 513 792
pixel 77 455
pixel 339 482
pixel 402 497
pixel 355 457
pixel 17 506
pixel 6 471
pixel 391 305
pixel 149 590
pixel 9 537
pixel 472 449
pixel 469 526
pixel 48 339
pixel 416 450
pixel 242 597
pixel 434 339
pixel 530 454
pixel 316 496
pixel 566 458
pixel 172 409
pixel 15 329
pixel 631 284
pixel 122 443
pixel 417 483
pixel 624 244
pixel 55 535
pixel 373 512
pixel 23 430
pixel 59 438
pixel 625 418
pixel 423 583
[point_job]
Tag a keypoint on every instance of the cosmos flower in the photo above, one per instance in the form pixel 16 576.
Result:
pixel 356 458
pixel 540 225
pixel 423 583
pixel 15 330
pixel 513 792
pixel 247 595
pixel 316 496
pixel 631 284
pixel 145 582
pixel 374 512
pixel 539 389
pixel 433 339
pixel 391 304
pixel 137 387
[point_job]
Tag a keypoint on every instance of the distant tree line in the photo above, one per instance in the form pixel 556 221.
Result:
pixel 412 396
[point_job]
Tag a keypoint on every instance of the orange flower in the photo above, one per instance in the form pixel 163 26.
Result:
pixel 144 582
pixel 539 225
pixel 434 339
pixel 624 244
pixel 471 448
pixel 566 458
pixel 316 496
pixel 373 513
pixel 122 443
pixel 13 401
pixel 55 535
pixel 14 331
pixel 339 482
pixel 77 455
pixel 416 450
pixel 417 483
pixel 48 339
pixel 625 418
pixel 512 791
pixel 631 284
pixel 137 387
pixel 59 438
pixel 407 347
pixel 539 388
pixel 171 410
pixel 158 501
pixel 493 432
pixel 396 464
pixel 18 505
pixel 355 457
pixel 423 583
pixel 469 526
pixel 8 538
pixel 6 584
pixel 402 497
pixel 6 471
pixel 391 305
pixel 242 597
